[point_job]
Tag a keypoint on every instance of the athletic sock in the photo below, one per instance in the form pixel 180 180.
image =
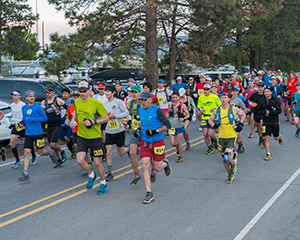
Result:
pixel 26 172
pixel 92 175
pixel 15 152
pixel 103 182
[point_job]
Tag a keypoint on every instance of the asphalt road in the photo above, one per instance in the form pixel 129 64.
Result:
pixel 194 202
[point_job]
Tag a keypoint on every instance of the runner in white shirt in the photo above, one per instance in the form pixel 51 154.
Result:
pixel 163 95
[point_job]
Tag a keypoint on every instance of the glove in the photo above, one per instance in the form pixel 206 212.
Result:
pixel 215 125
pixel 238 126
pixel 295 102
pixel 194 118
pixel 151 132
pixel 137 133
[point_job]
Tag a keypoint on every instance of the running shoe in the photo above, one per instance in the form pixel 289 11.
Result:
pixel 241 149
pixel 58 164
pixel 233 168
pixel 24 177
pixel 103 159
pixel 188 146
pixel 209 151
pixel 262 143
pixel 287 120
pixel 102 189
pixel 200 129
pixel 230 178
pixel 250 135
pixel 34 161
pixel 52 156
pixel 177 153
pixel 268 157
pixel 91 182
pixel 3 154
pixel 168 168
pixel 63 156
pixel 17 164
pixel 297 133
pixel 179 159
pixel 135 180
pixel 153 175
pixel 109 177
pixel 148 198
pixel 73 155
pixel 293 122
pixel 280 141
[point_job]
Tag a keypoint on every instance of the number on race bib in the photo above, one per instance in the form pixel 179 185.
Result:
pixel 159 150
pixel 200 92
pixel 40 143
pixel 98 152
pixel 263 129
pixel 124 121
pixel 113 124
pixel 135 124
pixel 18 128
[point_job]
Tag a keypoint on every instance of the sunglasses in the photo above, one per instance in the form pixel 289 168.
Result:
pixel 206 89
pixel 83 91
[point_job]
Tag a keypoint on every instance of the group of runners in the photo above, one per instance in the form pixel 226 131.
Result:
pixel 92 123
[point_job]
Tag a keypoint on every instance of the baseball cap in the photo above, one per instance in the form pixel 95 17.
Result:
pixel 49 89
pixel 214 85
pixel 135 88
pixel 235 88
pixel 298 84
pixel 179 78
pixel 256 78
pixel 29 92
pixel 160 80
pixel 226 94
pixel 173 80
pixel 181 92
pixel 101 86
pixel 130 80
pixel 15 92
pixel 261 84
pixel 273 77
pixel 110 88
pixel 269 88
pixel 129 89
pixel 83 85
pixel 75 93
pixel 207 86
pixel 145 95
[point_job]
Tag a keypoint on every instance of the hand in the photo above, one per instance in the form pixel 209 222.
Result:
pixel 73 124
pixel 181 119
pixel 238 127
pixel 151 132
pixel 111 116
pixel 88 123
pixel 21 124
pixel 215 125
pixel 137 133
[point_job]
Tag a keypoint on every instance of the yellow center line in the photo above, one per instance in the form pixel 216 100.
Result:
pixel 70 196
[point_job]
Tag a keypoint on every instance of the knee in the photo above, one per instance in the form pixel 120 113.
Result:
pixel 132 152
pixel 97 164
pixel 108 152
pixel 145 165
pixel 41 152
pixel 12 144
pixel 80 160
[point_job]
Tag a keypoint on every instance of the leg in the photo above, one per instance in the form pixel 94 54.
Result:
pixel 146 177
pixel 100 168
pixel 81 159
pixel 206 137
pixel 172 141
pixel 186 134
pixel 109 157
pixel 133 157
pixel 122 150
pixel 179 144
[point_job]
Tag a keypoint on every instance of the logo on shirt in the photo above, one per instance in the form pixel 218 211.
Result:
pixel 29 111
pixel 113 107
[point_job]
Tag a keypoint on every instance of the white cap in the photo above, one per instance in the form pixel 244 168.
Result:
pixel 181 92
pixel 207 86
pixel 179 78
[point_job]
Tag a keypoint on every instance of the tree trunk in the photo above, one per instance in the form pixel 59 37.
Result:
pixel 173 49
pixel 238 63
pixel 151 42
pixel 252 59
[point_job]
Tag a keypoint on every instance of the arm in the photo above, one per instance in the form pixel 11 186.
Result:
pixel 212 118
pixel 277 108
pixel 124 112
pixel 1 115
pixel 241 114
pixel 187 114
pixel 165 121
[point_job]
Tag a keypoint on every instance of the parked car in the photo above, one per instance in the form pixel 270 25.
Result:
pixel 5 122
pixel 7 85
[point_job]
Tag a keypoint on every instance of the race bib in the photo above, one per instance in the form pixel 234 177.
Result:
pixel 40 143
pixel 113 124
pixel 263 129
pixel 203 123
pixel 124 121
pixel 18 128
pixel 159 150
pixel 135 124
pixel 161 99
pixel 98 153
pixel 200 92
pixel 171 131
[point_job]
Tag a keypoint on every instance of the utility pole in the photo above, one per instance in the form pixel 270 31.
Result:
pixel 37 21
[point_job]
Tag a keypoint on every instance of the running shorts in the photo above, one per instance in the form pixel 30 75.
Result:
pixel 155 150
pixel 96 145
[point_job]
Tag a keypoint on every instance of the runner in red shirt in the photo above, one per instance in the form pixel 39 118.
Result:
pixel 200 85
pixel 291 83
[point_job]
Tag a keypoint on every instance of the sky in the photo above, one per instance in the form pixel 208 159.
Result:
pixel 54 21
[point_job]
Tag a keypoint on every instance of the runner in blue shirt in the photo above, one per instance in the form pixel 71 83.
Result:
pixel 179 84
